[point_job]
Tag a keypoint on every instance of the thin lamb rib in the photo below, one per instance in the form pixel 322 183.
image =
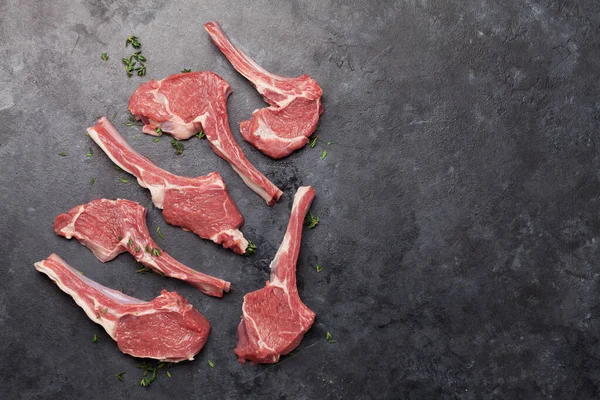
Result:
pixel 111 227
pixel 167 328
pixel 274 319
pixel 201 205
pixel 183 104
pixel 295 103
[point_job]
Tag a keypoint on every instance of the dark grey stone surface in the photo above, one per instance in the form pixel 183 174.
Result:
pixel 459 200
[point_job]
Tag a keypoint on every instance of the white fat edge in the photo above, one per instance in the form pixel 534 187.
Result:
pixel 69 229
pixel 235 233
pixel 260 342
pixel 264 132
pixel 255 188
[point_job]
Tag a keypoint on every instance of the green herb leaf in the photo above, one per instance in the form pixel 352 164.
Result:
pixel 168 374
pixel 318 267
pixel 160 234
pixel 328 143
pixel 251 249
pixel 123 180
pixel 148 249
pixel 95 338
pixel 156 140
pixel 312 220
pixel 104 310
pixel 323 154
pixel 90 152
pixel 201 134
pixel 143 270
pixel 104 57
pixel 158 131
pixel 137 248
pixel 177 145
pixel 129 243
pixel 92 181
pixel 156 252
pixel 329 338
pixel 120 375
pixel 141 70
pixel 312 141
pixel 63 154
pixel 185 70
pixel 118 168
pixel 211 364
pixel 135 43
pixel 113 117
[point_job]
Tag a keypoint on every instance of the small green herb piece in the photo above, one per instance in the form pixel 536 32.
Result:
pixel 113 117
pixel 312 220
pixel 120 375
pixel 177 145
pixel 143 270
pixel 185 70
pixel 168 374
pixel 92 181
pixel 312 141
pixel 104 310
pixel 104 57
pixel 138 56
pixel 328 143
pixel 329 338
pixel 323 154
pixel 158 131
pixel 318 267
pixel 129 243
pixel 150 373
pixel 95 338
pixel 156 140
pixel 129 65
pixel 156 252
pixel 118 168
pixel 201 134
pixel 160 234
pixel 135 43
pixel 251 249
pixel 63 154
pixel 211 364
pixel 123 180
pixel 148 249
pixel 137 248
pixel 90 152
pixel 141 70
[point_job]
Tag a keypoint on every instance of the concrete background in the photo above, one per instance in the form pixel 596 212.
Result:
pixel 459 232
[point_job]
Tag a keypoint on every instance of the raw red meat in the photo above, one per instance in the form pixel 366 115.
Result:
pixel 295 103
pixel 111 227
pixel 201 205
pixel 274 319
pixel 167 328
pixel 183 104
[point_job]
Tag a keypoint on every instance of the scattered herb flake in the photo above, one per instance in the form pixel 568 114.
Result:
pixel 312 220
pixel 177 145
pixel 118 168
pixel 137 248
pixel 318 267
pixel 123 180
pixel 95 338
pixel 158 131
pixel 113 117
pixel 329 338
pixel 147 249
pixel 143 270
pixel 63 154
pixel 251 249
pixel 134 40
pixel 323 154
pixel 92 181
pixel 168 374
pixel 185 70
pixel 212 364
pixel 130 243
pixel 104 310
pixel 120 375
pixel 201 134
pixel 90 152
pixel 104 57
pixel 160 234
pixel 141 70
pixel 312 141
pixel 156 252
pixel 156 140
pixel 328 143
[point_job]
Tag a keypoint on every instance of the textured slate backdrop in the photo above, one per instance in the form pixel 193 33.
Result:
pixel 459 200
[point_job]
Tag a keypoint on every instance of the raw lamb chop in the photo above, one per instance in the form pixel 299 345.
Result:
pixel 274 319
pixel 183 104
pixel 295 103
pixel 111 227
pixel 201 205
pixel 167 328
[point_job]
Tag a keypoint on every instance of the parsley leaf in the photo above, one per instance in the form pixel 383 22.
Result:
pixel 312 220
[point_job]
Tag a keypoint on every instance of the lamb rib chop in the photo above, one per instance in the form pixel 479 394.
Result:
pixel 274 319
pixel 183 104
pixel 295 103
pixel 201 205
pixel 167 328
pixel 111 227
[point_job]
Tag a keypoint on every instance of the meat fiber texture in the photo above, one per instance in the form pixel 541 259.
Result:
pixel 183 104
pixel 111 227
pixel 167 328
pixel 274 318
pixel 201 205
pixel 295 103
